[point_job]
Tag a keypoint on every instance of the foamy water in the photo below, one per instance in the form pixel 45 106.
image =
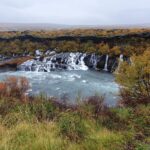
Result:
pixel 71 84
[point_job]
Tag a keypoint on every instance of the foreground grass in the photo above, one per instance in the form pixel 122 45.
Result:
pixel 49 125
pixel 45 136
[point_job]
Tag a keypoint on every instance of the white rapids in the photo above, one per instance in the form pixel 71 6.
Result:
pixel 70 84
pixel 71 61
pixel 73 58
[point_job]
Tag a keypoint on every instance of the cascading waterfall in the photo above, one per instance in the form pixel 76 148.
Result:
pixel 82 63
pixel 93 60
pixel 72 61
pixel 76 62
pixel 106 63
pixel 50 64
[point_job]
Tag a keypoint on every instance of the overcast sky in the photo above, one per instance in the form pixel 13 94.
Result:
pixel 75 12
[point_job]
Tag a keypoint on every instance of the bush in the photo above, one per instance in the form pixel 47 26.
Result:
pixel 140 120
pixel 117 119
pixel 2 88
pixel 96 106
pixel 15 87
pixel 134 79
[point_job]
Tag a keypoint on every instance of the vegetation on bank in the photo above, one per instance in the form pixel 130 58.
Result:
pixel 127 46
pixel 40 123
pixel 135 80
pixel 75 32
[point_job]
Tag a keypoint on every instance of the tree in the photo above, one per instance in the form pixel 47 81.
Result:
pixel 89 47
pixel 103 48
pixel 128 50
pixel 134 79
pixel 116 50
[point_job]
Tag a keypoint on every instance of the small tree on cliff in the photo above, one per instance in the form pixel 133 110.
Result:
pixel 103 48
pixel 134 79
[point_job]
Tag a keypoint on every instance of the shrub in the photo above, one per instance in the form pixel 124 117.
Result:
pixel 2 89
pixel 140 120
pixel 117 119
pixel 14 87
pixel 134 79
pixel 96 106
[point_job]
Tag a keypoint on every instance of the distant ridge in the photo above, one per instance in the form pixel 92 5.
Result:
pixel 48 26
pixel 30 26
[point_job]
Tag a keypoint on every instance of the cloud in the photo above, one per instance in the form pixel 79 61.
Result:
pixel 96 12
pixel 17 3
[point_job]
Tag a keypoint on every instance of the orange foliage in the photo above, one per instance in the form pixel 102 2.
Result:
pixel 14 87
pixel 2 88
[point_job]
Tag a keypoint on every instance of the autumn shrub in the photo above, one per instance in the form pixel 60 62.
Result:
pixel 2 88
pixel 96 106
pixel 134 79
pixel 14 87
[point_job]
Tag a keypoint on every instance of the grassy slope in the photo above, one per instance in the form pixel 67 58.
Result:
pixel 43 125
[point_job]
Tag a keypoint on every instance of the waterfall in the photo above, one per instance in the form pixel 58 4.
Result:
pixel 93 60
pixel 26 66
pixel 121 58
pixel 73 59
pixel 106 63
pixel 70 61
pixel 82 63
pixel 50 65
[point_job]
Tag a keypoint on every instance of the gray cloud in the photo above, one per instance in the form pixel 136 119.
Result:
pixel 96 12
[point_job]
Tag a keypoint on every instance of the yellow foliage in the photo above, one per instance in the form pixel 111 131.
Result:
pixel 135 77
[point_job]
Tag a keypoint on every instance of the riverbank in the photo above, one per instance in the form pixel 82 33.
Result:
pixel 13 62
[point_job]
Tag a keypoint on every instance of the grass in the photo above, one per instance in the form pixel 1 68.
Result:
pixel 46 136
pixel 72 128
pixel 26 136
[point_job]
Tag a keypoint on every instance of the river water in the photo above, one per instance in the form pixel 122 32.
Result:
pixel 70 84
